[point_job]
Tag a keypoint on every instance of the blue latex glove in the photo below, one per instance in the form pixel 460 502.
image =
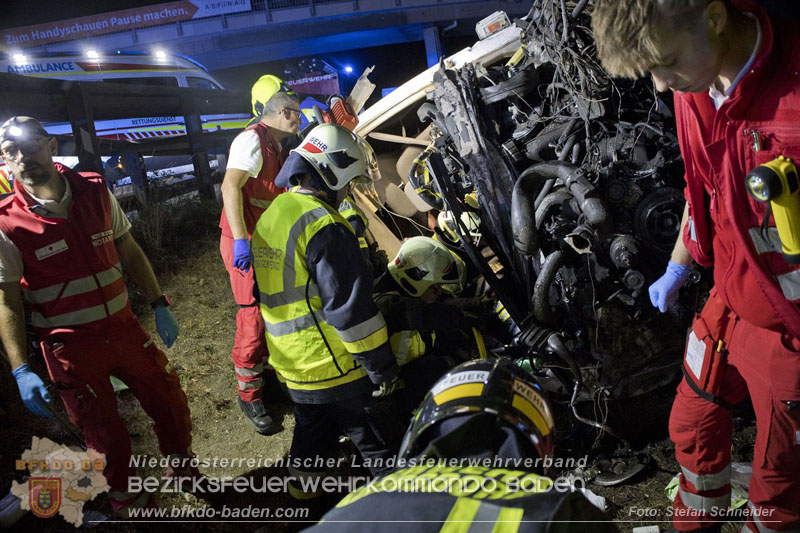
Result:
pixel 31 388
pixel 665 290
pixel 166 325
pixel 241 254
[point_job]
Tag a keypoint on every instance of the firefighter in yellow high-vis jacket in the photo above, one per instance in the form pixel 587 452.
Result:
pixel 327 340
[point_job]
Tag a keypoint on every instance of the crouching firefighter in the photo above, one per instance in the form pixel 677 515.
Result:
pixel 64 242
pixel 418 297
pixel 327 340
pixel 458 463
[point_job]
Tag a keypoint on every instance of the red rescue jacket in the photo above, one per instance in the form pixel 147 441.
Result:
pixel 72 274
pixel 258 193
pixel 719 148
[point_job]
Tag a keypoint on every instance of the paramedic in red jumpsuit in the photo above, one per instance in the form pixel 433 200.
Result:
pixel 248 188
pixel 734 73
pixel 63 244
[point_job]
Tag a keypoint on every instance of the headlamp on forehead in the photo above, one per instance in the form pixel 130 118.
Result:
pixel 21 128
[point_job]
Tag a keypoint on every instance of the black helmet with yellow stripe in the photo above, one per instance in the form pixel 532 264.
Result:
pixel 493 387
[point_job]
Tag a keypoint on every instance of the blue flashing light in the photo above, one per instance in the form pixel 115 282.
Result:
pixel 348 69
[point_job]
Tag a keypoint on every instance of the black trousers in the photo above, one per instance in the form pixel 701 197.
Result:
pixel 368 423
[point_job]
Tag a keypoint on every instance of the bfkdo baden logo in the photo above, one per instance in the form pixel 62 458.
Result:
pixel 45 495
pixel 62 479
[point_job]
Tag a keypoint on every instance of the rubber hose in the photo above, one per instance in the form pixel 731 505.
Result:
pixel 541 289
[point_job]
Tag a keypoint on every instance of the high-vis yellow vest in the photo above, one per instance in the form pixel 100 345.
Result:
pixel 290 301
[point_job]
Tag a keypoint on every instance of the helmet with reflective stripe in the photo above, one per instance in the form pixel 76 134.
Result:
pixel 339 156
pixel 265 88
pixel 496 387
pixel 469 219
pixel 423 262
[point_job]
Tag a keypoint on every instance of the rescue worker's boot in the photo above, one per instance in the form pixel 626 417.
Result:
pixel 257 414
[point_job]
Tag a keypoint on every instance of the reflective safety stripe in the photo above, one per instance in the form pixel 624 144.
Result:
pixel 355 373
pixel 74 287
pixel 403 347
pixel 756 513
pixel 706 504
pixel 763 246
pixel 476 516
pixel 362 243
pixel 790 285
pixel 81 316
pixel 362 330
pixel 708 481
pixel 508 521
pixel 365 336
pixel 789 282
pixel 289 296
pixel 291 293
pixel 263 204
pixel 501 312
pixel 368 343
pixel 460 518
pixel 247 372
pixel 294 325
pixel 249 385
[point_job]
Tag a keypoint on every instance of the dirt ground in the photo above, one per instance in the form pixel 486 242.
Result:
pixel 195 279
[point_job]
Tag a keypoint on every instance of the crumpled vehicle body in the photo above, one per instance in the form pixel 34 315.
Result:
pixel 579 181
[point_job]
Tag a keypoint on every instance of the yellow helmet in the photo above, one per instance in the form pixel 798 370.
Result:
pixel 422 262
pixel 265 88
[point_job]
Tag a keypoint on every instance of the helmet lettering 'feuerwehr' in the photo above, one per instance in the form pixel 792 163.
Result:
pixel 313 144
pixel 338 155
pixel 486 387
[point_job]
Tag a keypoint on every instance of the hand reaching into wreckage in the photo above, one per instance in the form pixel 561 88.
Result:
pixel 664 291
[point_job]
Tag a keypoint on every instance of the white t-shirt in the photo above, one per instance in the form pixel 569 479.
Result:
pixel 11 268
pixel 245 153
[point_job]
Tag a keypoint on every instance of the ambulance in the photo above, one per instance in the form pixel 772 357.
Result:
pixel 142 68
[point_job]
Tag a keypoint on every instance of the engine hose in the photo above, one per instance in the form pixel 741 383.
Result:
pixel 562 156
pixel 546 188
pixel 558 197
pixel 525 191
pixel 527 188
pixel 541 289
pixel 535 147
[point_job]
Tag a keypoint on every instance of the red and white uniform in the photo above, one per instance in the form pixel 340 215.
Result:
pixel 753 308
pixel 255 151
pixel 72 277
